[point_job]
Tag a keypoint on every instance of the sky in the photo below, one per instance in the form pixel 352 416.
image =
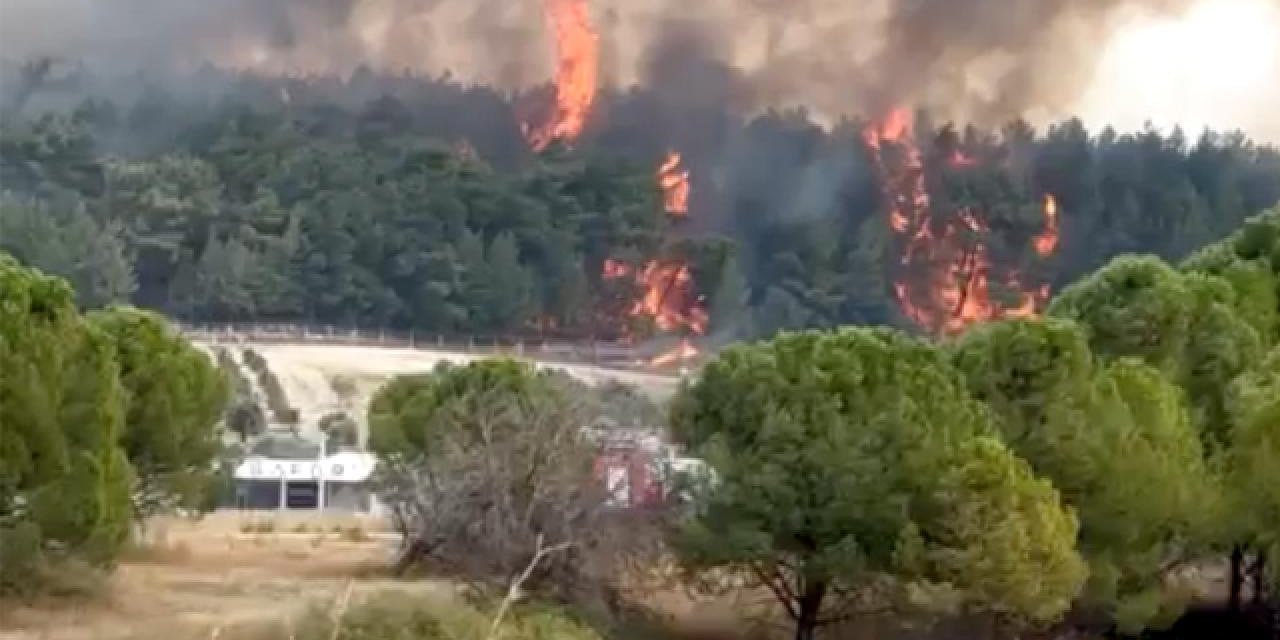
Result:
pixel 1218 65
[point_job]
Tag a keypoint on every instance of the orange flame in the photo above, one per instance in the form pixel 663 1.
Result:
pixel 674 181
pixel 577 70
pixel 667 296
pixel 945 270
pixel 669 299
pixel 683 352
pixel 1047 240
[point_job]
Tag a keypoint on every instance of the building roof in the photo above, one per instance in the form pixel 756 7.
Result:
pixel 347 466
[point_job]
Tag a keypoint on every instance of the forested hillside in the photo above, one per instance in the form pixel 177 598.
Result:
pixel 413 203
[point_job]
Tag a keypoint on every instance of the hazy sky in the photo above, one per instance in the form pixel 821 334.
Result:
pixel 1217 65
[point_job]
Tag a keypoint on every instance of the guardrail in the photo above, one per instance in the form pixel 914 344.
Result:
pixel 604 354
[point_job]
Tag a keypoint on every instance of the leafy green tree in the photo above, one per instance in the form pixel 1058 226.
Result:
pixel 1253 462
pixel 174 400
pixel 507 302
pixel 1118 442
pixel 850 461
pixel 1135 306
pixel 1185 325
pixel 63 477
pixel 411 412
pixel 1249 260
pixel 107 270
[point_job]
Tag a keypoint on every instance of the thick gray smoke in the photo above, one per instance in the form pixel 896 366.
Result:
pixel 969 59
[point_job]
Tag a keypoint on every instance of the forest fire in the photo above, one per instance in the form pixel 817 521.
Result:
pixel 667 295
pixel 577 68
pixel 674 181
pixel 945 276
pixel 1047 241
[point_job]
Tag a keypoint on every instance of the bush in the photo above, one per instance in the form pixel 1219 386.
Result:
pixel 401 616
pixel 21 557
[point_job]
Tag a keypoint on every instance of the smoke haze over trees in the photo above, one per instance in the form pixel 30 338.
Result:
pixel 956 57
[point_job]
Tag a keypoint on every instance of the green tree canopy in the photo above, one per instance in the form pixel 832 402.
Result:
pixel 1117 440
pixel 849 458
pixel 63 478
pixel 1254 457
pixel 1186 325
pixel 175 396
pixel 411 412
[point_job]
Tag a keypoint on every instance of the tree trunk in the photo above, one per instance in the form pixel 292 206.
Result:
pixel 810 606
pixel 1260 578
pixel 1236 578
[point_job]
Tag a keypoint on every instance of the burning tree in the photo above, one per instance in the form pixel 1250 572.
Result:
pixel 952 270
pixel 577 69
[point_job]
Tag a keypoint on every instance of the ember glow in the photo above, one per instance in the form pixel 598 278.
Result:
pixel 674 181
pixel 577 70
pixel 1047 240
pixel 945 274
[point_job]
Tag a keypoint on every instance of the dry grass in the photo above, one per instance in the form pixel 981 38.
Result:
pixel 220 579
pixel 191 578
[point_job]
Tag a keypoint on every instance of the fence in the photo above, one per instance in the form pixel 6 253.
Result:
pixel 604 354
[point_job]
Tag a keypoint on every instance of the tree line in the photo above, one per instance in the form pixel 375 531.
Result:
pixel 1079 470
pixel 105 419
pixel 415 203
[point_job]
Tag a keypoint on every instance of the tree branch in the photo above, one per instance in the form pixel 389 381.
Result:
pixel 514 589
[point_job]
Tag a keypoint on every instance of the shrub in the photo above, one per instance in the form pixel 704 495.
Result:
pixel 402 616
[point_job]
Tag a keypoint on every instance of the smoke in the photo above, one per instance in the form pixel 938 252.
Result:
pixel 973 60
pixel 497 42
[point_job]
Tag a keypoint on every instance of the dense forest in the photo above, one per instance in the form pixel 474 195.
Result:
pixel 411 203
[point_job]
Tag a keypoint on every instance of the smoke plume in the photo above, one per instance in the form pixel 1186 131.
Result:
pixel 966 59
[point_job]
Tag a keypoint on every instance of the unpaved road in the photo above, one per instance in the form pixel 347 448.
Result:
pixel 307 372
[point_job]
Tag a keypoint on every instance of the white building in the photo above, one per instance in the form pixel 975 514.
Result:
pixel 339 481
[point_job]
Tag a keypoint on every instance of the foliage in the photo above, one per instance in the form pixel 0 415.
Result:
pixel 394 616
pixel 1117 441
pixel 341 431
pixel 1254 458
pixel 623 405
pixel 103 419
pixel 409 414
pixel 1226 295
pixel 243 415
pixel 272 390
pixel 844 460
pixel 485 468
pixel 64 481
pixel 1184 324
pixel 174 399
